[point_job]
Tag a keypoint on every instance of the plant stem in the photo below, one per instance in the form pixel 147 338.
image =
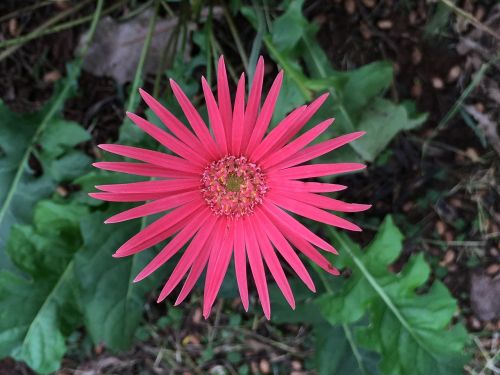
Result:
pixel 236 37
pixel 131 103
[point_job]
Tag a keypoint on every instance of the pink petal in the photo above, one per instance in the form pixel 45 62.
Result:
pixel 257 267
pixel 158 229
pixel 200 263
pixel 285 249
pixel 195 120
pixel 240 262
pixel 311 212
pixel 296 145
pixel 215 117
pixel 224 98
pixel 315 151
pixel 309 251
pixel 270 141
pixel 126 197
pixel 152 157
pixel 273 263
pixel 299 124
pixel 265 114
pixel 217 267
pixel 317 170
pixel 155 186
pixel 167 140
pixel 173 124
pixel 304 187
pixel 175 244
pixel 154 207
pixel 140 169
pixel 279 216
pixel 328 203
pixel 238 117
pixel 252 110
pixel 187 259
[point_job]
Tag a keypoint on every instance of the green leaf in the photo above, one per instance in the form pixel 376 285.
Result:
pixel 288 29
pixel 38 312
pixel 410 330
pixel 61 135
pixel 382 120
pixel 337 353
pixel 42 136
pixel 112 304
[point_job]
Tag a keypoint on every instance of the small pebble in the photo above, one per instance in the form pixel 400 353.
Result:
pixel 416 89
pixel 13 27
pixel 62 191
pixel 296 365
pixel 454 73
pixel 350 6
pixel 475 323
pixel 413 18
pixel 384 24
pixel 437 83
pixel 493 269
pixel 440 227
pixel 448 258
pixel 369 3
pixel 472 154
pixel 365 31
pixel 197 316
pixel 52 76
pixel 479 107
pixel 416 56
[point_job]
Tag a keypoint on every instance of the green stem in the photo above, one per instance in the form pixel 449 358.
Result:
pixel 131 103
pixel 345 327
pixel 236 37
pixel 381 293
pixel 131 106
pixel 288 69
pixel 72 75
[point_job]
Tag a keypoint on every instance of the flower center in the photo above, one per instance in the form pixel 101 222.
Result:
pixel 233 186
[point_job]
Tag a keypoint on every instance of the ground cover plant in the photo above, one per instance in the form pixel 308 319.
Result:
pixel 418 288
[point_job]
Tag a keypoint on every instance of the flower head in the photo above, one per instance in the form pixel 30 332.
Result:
pixel 230 194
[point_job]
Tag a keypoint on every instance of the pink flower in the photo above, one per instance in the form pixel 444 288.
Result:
pixel 229 194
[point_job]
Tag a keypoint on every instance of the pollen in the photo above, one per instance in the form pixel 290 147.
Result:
pixel 233 186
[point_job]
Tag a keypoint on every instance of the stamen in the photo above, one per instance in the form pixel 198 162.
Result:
pixel 233 186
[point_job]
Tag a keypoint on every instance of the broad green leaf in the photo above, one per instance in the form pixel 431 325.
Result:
pixel 336 350
pixel 338 353
pixel 61 135
pixel 382 120
pixel 38 312
pixel 112 304
pixel 43 136
pixel 411 331
pixel 288 29
pixel 20 188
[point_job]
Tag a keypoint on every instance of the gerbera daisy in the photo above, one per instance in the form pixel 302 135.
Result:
pixel 230 193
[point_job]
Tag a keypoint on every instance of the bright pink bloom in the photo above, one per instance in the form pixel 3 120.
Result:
pixel 228 193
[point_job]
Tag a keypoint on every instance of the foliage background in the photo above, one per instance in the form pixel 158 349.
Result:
pixel 66 303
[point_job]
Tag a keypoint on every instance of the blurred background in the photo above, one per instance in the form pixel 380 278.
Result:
pixel 419 291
